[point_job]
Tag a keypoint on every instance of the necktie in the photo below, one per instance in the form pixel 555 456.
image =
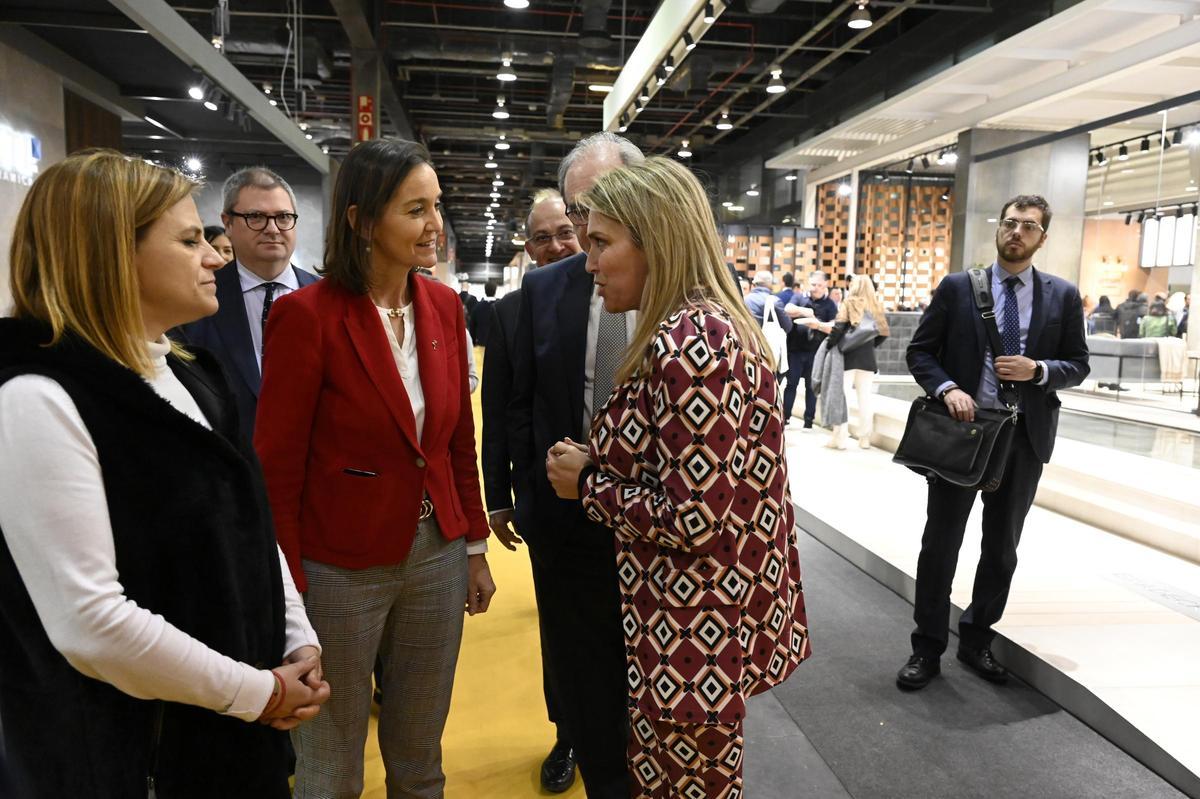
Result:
pixel 611 341
pixel 268 298
pixel 1010 336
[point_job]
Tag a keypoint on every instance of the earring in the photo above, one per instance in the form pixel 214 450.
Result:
pixel 368 248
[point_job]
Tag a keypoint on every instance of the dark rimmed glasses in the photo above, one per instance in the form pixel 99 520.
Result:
pixel 542 239
pixel 257 221
pixel 578 214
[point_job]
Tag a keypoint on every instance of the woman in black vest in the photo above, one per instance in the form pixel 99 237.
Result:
pixel 142 602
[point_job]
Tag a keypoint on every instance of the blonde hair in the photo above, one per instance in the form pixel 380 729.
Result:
pixel 860 298
pixel 667 213
pixel 72 253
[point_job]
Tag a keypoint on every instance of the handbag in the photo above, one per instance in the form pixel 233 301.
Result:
pixel 775 335
pixel 969 454
pixel 862 333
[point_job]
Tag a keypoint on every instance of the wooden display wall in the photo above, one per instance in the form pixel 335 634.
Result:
pixel 750 248
pixel 882 237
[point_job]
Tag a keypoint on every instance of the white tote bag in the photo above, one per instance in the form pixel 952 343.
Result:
pixel 776 336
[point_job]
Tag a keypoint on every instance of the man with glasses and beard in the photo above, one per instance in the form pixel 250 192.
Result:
pixel 260 219
pixel 1040 320
pixel 550 237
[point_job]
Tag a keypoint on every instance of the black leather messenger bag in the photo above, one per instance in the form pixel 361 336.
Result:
pixel 969 454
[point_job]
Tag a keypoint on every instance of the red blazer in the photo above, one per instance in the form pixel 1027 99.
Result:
pixel 336 434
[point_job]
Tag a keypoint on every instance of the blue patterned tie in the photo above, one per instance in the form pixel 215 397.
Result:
pixel 1010 334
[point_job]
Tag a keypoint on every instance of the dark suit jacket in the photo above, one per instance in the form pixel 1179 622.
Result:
pixel 226 334
pixel 547 405
pixel 337 437
pixel 494 394
pixel 480 322
pixel 950 345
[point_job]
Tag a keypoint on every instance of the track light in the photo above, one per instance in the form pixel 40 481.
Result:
pixel 1101 158
pixel 726 204
pixel 860 18
pixel 752 191
pixel 710 14
pixel 1145 146
pixel 1122 153
pixel 925 161
pixel 775 85
pixel 909 168
pixel 624 126
pixel 644 95
pixel 723 123
pixel 660 75
pixel 1177 138
pixel 1141 217
pixel 951 157
pixel 669 64
pixel 684 152
pixel 689 43
pixel 197 90
pixel 505 73
pixel 500 112
pixel 1128 218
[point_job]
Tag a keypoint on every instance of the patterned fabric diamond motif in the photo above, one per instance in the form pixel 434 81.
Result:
pixel 710 632
pixel 663 632
pixel 695 790
pixel 699 409
pixel 712 687
pixel 699 467
pixel 627 574
pixel 632 431
pixel 665 687
pixel 684 587
pixel 629 624
pixel 758 420
pixel 684 751
pixel 698 355
pixel 696 521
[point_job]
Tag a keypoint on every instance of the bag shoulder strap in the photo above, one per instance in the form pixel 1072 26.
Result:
pixel 981 291
pixel 769 307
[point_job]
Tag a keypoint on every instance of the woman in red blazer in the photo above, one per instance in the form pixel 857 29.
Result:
pixel 366 438
pixel 686 466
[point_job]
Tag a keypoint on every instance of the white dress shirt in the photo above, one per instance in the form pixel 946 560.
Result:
pixel 254 292
pixel 589 364
pixel 54 513
pixel 405 355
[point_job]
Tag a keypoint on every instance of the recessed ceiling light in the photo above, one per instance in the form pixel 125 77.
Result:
pixel 1108 202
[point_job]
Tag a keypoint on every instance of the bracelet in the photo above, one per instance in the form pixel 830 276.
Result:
pixel 277 696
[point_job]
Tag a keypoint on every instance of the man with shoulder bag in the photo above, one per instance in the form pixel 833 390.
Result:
pixel 1037 320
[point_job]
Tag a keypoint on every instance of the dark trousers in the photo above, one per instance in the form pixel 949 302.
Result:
pixel 583 652
pixel 1004 512
pixel 539 593
pixel 800 366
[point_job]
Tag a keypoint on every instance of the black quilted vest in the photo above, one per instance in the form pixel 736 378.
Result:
pixel 194 544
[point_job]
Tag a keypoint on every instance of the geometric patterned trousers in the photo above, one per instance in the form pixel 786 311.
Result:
pixel 684 761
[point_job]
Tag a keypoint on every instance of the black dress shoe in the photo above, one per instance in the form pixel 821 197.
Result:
pixel 917 672
pixel 558 769
pixel 982 663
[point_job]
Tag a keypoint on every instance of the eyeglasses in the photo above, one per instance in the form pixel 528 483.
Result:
pixel 542 239
pixel 1026 225
pixel 258 221
pixel 578 214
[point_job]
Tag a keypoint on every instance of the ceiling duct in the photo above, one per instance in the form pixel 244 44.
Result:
pixel 562 84
pixel 594 35
pixel 316 61
pixel 537 154
pixel 763 6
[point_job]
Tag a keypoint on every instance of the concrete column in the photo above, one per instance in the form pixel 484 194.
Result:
pixel 1193 334
pixel 1057 171
pixel 364 95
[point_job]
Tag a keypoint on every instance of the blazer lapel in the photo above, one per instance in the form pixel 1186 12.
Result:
pixel 371 343
pixel 234 328
pixel 432 363
pixel 1037 320
pixel 573 313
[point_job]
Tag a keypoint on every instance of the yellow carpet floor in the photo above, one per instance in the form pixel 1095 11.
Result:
pixel 497 734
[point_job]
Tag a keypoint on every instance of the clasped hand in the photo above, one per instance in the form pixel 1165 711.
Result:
pixel 564 461
pixel 306 690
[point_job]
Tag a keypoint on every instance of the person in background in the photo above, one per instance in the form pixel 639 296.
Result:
pixel 217 238
pixel 467 298
pixel 482 316
pixel 1158 323
pixel 804 341
pixel 145 599
pixel 760 295
pixel 260 217
pixel 1040 320
pixel 1103 319
pixel 835 294
pixel 788 293
pixel 368 447
pixel 859 363
pixel 1181 329
pixel 550 237
pixel 706 553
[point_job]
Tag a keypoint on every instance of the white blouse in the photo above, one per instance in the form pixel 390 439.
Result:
pixel 54 514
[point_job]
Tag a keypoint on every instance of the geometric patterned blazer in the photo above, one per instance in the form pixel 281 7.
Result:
pixel 691 477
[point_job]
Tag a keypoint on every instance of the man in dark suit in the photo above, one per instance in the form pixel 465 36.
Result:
pixel 1040 319
pixel 803 342
pixel 566 353
pixel 260 219
pixel 550 237
pixel 479 323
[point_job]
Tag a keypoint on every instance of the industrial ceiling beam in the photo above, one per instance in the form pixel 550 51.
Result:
pixel 175 33
pixel 359 31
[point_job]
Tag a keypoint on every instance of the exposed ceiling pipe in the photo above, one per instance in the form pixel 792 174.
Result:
pixel 562 85
pixel 594 35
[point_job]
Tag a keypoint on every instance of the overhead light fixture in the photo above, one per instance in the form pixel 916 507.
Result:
pixel 600 88
pixel 495 195
pixel 775 85
pixel 669 64
pixel 266 88
pixel 500 113
pixel 1141 217
pixel 1177 138
pixel 1122 153
pixel 1192 139
pixel 497 182
pixel 1101 158
pixel 490 163
pixel 1166 143
pixel 952 156
pixel 1128 218
pixel 925 161
pixel 624 123
pixel 517 4
pixel 791 176
pixel 212 99
pixel 860 18
pixel 493 205
pixel 1145 145
pixel 710 14
pixel 273 102
pixel 193 164
pixel 736 209
pixel 505 73
pixel 308 136
pixel 723 123
pixel 325 149
pixel 752 191
pixel 196 91
pixel 946 196
pixel 1107 203
pixel 909 167
pixel 689 43
pixel 726 204
pixel 302 125
pixel 844 190
pixel 501 144
pixel 684 152
pixel 660 75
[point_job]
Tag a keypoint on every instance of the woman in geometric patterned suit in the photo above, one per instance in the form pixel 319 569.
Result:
pixel 686 465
